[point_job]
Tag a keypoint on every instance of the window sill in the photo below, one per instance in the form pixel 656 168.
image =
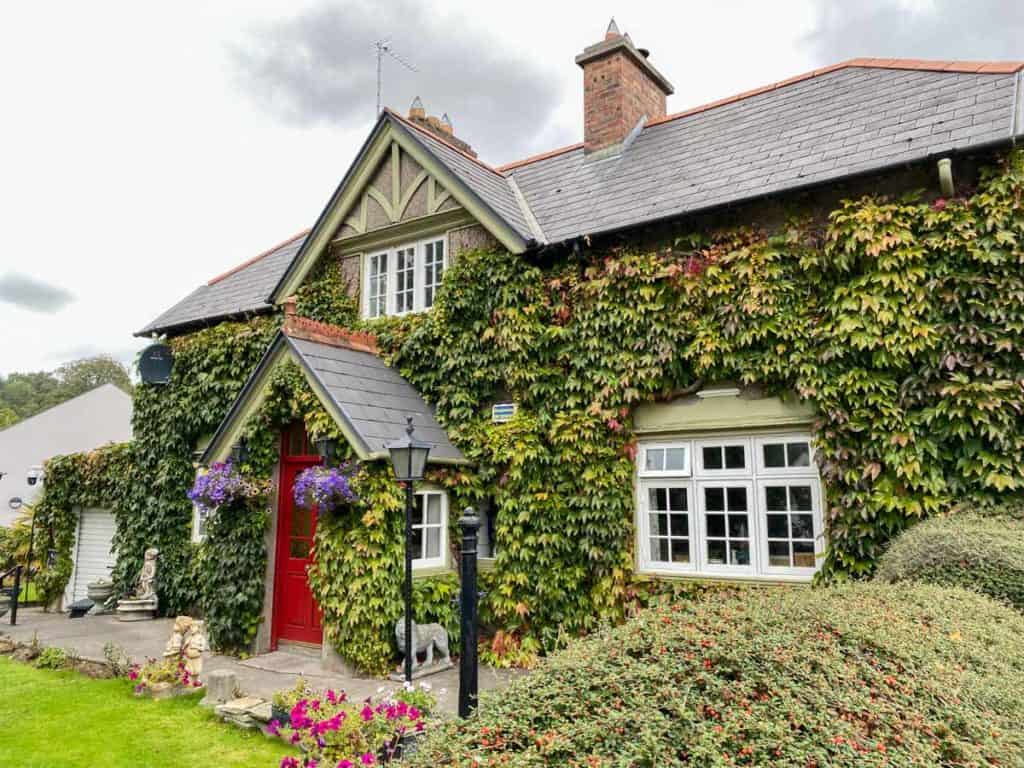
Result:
pixel 722 578
pixel 426 571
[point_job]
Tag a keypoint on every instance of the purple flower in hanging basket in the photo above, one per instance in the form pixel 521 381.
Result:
pixel 327 488
pixel 223 484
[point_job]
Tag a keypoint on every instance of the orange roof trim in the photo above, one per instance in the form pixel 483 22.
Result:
pixel 542 156
pixel 256 258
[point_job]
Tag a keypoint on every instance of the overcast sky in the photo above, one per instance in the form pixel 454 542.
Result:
pixel 147 147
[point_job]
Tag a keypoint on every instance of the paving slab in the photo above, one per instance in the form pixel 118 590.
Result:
pixel 259 676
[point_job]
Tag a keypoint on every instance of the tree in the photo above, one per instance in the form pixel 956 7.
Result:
pixel 26 394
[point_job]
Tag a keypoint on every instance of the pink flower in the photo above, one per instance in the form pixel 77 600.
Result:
pixel 345 764
pixel 414 714
pixel 314 704
pixel 289 762
pixel 403 708
pixel 296 738
pixel 331 698
pixel 133 674
pixel 367 715
pixel 367 758
pixel 274 728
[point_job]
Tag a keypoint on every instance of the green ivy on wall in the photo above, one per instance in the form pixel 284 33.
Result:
pixel 901 321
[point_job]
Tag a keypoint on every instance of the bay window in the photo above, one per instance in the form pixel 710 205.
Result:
pixel 746 506
pixel 403 279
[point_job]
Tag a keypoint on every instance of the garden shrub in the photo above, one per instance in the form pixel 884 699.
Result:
pixel 985 554
pixel 860 674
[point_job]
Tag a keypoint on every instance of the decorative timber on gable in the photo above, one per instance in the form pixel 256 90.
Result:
pixel 400 190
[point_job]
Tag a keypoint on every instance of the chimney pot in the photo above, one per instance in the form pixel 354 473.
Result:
pixel 612 31
pixel 416 109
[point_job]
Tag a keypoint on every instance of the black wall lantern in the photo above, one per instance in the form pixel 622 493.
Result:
pixel 240 452
pixel 409 460
pixel 326 448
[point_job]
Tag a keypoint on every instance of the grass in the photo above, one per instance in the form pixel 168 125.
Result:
pixel 65 719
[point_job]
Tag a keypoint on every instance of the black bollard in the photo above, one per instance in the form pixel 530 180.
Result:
pixel 14 595
pixel 469 523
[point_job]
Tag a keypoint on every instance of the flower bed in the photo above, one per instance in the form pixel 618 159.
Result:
pixel 330 730
pixel 162 679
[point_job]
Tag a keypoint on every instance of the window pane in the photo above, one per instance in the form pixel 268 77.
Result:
pixel 298 548
pixel 656 499
pixel 680 525
pixel 799 454
pixel 735 457
pixel 800 498
pixel 659 550
pixel 803 554
pixel 778 554
pixel 738 527
pixel 659 525
pixel 774 455
pixel 405 271
pixel 739 553
pixel 434 508
pixel 433 542
pixel 302 522
pixel 417 509
pixel 775 498
pixel 680 551
pixel 737 498
pixel 675 459
pixel 716 552
pixel 417 543
pixel 655 458
pixel 803 526
pixel 778 527
pixel 712 457
pixel 715 525
pixel 714 499
pixel 677 499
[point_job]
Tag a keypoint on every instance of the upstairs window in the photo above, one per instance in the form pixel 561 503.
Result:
pixel 403 279
pixel 430 530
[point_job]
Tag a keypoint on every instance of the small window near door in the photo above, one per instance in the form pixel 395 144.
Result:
pixel 430 530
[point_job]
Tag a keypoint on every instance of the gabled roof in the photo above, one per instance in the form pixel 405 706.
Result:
pixel 860 116
pixel 368 400
pixel 236 293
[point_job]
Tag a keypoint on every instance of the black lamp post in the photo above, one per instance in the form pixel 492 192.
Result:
pixel 409 459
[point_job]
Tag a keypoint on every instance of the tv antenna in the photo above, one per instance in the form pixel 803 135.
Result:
pixel 384 47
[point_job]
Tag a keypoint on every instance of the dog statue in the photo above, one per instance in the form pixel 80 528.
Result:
pixel 425 638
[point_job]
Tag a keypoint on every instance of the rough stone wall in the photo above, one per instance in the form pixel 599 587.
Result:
pixel 469 238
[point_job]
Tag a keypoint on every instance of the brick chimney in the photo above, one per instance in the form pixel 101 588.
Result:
pixel 439 126
pixel 620 87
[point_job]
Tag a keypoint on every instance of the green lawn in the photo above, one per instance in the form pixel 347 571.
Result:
pixel 68 720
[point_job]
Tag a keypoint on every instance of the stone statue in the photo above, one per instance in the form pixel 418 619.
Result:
pixel 425 639
pixel 142 603
pixel 147 576
pixel 188 641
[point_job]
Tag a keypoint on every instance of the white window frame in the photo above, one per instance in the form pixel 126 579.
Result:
pixel 707 566
pixel 644 548
pixel 419 248
pixel 764 471
pixel 818 538
pixel 441 560
pixel 686 471
pixel 754 478
pixel 369 280
pixel 725 440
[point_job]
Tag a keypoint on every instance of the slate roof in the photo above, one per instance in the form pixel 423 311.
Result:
pixel 373 398
pixel 241 291
pixel 843 122
pixel 850 118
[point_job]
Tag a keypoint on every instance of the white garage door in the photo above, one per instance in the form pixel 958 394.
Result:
pixel 92 556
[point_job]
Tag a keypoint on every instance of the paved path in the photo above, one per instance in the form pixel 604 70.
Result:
pixel 257 676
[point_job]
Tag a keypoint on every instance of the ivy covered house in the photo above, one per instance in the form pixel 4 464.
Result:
pixel 748 341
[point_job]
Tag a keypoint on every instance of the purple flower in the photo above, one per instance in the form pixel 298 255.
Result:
pixel 326 488
pixel 221 484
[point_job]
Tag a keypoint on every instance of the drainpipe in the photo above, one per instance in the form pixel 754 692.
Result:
pixel 946 177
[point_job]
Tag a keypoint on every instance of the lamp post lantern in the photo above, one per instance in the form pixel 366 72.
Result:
pixel 408 459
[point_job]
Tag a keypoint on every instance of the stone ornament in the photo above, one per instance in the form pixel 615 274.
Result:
pixel 142 603
pixel 187 643
pixel 426 639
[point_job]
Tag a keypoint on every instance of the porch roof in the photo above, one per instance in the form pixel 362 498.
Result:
pixel 368 400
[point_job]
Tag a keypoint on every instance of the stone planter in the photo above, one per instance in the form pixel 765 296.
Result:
pixel 99 591
pixel 159 691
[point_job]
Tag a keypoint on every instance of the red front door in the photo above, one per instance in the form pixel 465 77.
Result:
pixel 296 614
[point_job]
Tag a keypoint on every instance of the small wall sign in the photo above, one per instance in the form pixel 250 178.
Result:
pixel 155 364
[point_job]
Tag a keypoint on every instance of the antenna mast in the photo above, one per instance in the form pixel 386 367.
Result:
pixel 384 47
